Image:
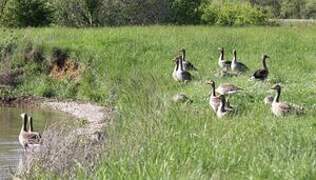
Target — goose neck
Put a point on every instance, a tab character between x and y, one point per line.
264	63
277	96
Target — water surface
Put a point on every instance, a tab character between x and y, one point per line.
10	126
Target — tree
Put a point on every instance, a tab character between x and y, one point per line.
23	13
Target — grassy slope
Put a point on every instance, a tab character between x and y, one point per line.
131	69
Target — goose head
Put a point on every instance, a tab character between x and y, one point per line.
183	51
221	50
265	57
211	82
276	87
235	54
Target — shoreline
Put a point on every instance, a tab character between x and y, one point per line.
65	148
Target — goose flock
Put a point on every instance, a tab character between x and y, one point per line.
219	96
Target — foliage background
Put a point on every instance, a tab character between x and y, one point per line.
94	13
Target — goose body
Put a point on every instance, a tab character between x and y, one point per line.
187	65
222	110
227	89
237	66
181	98
222	63
180	74
262	73
26	138
279	108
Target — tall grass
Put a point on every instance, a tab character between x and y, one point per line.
152	138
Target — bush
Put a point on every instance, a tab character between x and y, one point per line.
24	13
232	14
185	11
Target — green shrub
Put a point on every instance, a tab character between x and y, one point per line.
232	14
24	13
185	11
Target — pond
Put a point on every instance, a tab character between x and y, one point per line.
10	126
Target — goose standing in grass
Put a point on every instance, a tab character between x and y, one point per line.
30	128
187	66
214	101
236	66
26	138
180	74
282	108
223	64
262	74
222	109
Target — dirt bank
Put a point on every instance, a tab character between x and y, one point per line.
67	146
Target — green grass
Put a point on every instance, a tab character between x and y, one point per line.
151	138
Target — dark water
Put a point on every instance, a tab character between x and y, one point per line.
10	126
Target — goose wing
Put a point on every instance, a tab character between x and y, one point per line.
243	67
284	107
186	76
190	66
32	138
227	89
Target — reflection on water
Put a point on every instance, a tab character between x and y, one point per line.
10	126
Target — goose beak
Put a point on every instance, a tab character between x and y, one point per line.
209	82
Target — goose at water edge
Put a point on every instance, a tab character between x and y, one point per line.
179	74
223	64
236	66
26	138
262	73
187	66
282	108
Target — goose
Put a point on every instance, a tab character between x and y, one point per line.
30	129
279	108
27	139
223	64
227	89
181	98
187	66
236	66
222	110
261	74
180	74
214	101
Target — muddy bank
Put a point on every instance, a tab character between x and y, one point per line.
66	146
